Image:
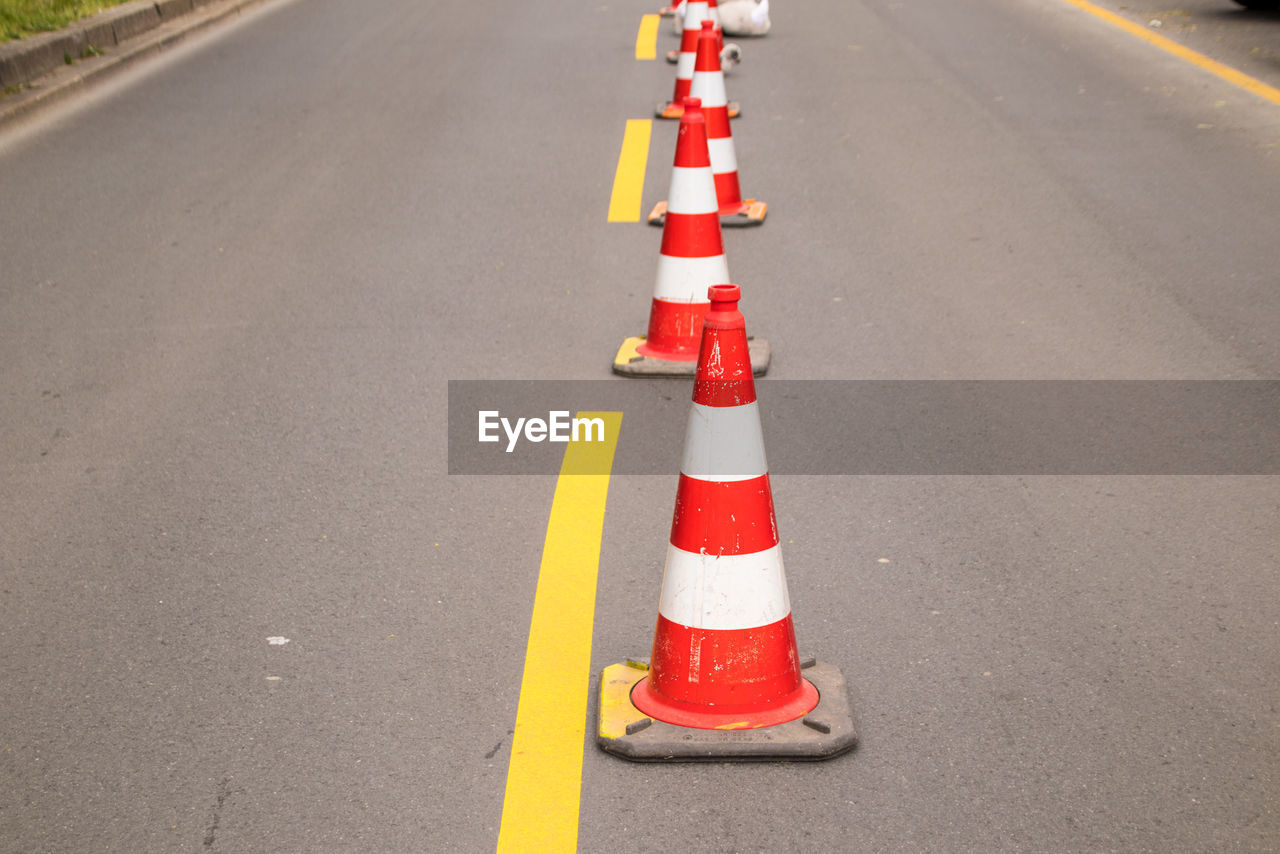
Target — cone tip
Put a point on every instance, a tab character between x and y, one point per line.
724	294
690	101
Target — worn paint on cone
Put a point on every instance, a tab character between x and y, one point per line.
724	661
724	651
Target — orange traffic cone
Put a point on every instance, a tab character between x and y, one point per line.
692	258
708	86
725	679
695	12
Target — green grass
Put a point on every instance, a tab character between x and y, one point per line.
20	18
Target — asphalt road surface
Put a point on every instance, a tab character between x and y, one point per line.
235	283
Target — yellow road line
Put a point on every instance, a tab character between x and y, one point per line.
628	181
647	38
544	780
1226	72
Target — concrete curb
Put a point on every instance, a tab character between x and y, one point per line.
49	67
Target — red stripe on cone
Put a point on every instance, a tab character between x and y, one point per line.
674	328
728	192
692	235
754	682
724	517
693	154
717	118
703	62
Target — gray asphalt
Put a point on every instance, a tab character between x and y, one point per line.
237	280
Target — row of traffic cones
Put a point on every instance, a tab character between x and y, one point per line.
708	87
694	13
704	196
725	679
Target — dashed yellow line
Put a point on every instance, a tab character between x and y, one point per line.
544	779
628	180
1226	72
647	38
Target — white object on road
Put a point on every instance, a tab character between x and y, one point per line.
744	17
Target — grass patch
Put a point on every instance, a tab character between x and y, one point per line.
20	18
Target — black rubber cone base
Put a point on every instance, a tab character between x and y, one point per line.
625	731
630	363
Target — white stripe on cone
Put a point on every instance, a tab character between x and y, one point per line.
686	279
727	592
692	190
723	157
695	10
709	86
724	443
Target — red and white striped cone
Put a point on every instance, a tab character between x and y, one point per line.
724	651
724	658
713	13
691	259
695	12
708	86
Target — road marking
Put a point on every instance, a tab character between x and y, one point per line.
1226	72
647	38
628	180
544	780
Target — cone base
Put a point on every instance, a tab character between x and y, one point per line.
625	731
661	708
749	212
672	110
629	362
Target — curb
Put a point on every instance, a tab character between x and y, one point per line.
49	67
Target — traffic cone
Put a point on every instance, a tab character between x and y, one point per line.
692	258
695	12
724	651
730	55
708	85
725	679
676	12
